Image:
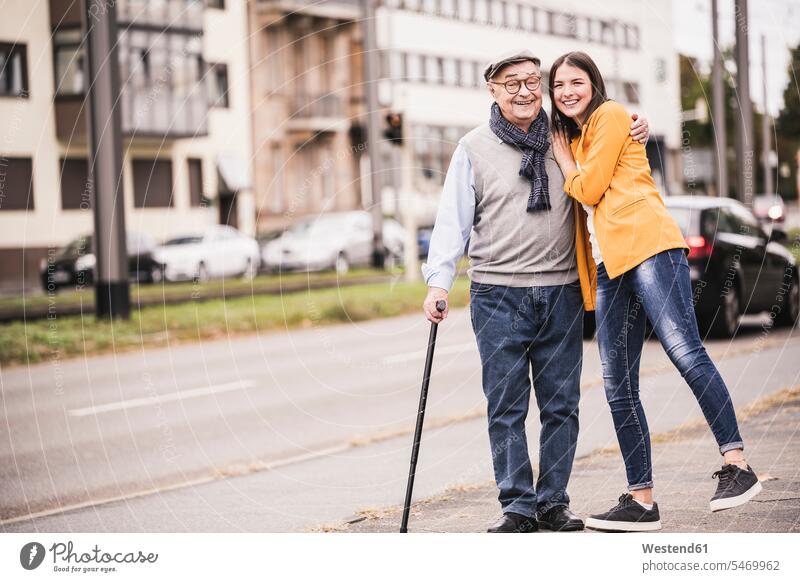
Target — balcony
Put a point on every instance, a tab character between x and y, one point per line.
161	14
336	9
163	94
164	116
154	14
316	113
143	116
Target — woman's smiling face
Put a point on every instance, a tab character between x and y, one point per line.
572	92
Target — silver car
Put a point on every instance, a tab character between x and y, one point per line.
335	241
216	251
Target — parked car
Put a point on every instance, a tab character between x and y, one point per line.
769	208
336	241
424	240
75	264
216	251
734	265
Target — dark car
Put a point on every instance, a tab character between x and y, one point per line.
74	265
735	266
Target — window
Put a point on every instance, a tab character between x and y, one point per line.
744	221
478	69
542	21
450	72
527	18
16	183
498	13
448	8
13	70
608	33
152	183
713	221
415	72
276	184
563	24
275	55
396	68
467	74
218	93
631	91
433	70
76	191
465	9
195	167
69	55
481	10
631	36
430	6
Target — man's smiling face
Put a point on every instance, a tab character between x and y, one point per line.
523	107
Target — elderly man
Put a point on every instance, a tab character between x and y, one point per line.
528	251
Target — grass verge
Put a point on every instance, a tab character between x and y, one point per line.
67	337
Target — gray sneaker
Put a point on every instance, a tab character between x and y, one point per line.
736	487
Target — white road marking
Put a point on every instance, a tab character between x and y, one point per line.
408	356
183	395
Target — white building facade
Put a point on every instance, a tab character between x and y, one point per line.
434	53
187	138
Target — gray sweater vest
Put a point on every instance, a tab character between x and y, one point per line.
510	246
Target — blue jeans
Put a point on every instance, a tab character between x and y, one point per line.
520	329
660	290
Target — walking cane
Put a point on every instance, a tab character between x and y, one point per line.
441	305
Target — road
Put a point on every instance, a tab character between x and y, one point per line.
289	431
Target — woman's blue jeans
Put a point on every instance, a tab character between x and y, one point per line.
659	289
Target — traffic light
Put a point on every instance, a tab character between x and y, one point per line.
394	128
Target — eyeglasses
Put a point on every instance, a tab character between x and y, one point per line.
513	86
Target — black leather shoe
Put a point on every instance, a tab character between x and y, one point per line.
514	523
559	518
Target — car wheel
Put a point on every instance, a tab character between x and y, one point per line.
156	274
250	270
342	265
726	321
790	310
202	273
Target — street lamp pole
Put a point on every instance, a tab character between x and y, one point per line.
112	293
744	136
766	141
373	129
718	107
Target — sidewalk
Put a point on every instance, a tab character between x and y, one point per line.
684	460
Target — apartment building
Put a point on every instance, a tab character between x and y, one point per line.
307	99
434	53
184	102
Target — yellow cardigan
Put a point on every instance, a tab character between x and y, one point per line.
631	222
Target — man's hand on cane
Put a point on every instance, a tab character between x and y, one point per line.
429	306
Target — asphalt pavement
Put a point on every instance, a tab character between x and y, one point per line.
292	431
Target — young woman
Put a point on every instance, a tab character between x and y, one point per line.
642	272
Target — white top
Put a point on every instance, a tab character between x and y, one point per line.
598	258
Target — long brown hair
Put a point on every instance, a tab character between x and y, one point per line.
585	63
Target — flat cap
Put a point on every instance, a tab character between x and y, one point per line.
508	58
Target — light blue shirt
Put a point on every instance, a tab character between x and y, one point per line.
454	221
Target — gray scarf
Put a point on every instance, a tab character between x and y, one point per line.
533	144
